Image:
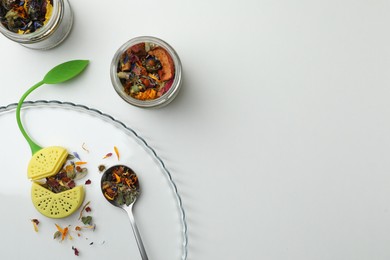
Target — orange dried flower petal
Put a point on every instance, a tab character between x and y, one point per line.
117	152
64	232
69	168
80	163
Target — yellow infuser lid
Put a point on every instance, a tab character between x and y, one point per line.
46	162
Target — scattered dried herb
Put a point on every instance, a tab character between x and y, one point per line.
23	17
80	163
146	71
70	157
117	152
107	155
86	220
76	251
93	227
35	223
83	208
57	235
62	232
120	185
88	226
101	168
76	155
84	148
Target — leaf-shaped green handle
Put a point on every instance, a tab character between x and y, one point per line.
65	71
58	74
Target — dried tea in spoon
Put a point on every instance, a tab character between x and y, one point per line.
120	186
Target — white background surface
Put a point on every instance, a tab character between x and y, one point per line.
279	139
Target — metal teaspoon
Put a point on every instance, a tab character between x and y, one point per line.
120	186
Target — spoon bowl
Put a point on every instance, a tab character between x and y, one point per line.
120	186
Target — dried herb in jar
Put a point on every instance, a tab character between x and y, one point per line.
120	185
146	71
25	16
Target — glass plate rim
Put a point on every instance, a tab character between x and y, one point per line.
79	107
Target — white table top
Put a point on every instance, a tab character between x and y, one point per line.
279	138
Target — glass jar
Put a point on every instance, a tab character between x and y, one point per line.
164	90
49	35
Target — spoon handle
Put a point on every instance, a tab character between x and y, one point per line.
141	247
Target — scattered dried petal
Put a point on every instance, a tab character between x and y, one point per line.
93	227
84	148
81	174
76	155
76	251
59	228
35	224
80	163
117	152
83	208
87	182
107	155
70	157
101	168
57	235
63	232
88	209
69	168
86	220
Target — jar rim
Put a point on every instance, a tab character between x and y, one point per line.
167	97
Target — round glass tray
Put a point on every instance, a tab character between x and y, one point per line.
91	134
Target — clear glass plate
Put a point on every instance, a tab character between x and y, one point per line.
92	134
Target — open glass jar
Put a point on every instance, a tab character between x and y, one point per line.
146	72
39	25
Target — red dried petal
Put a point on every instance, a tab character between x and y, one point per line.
88	182
51	182
76	251
71	184
107	155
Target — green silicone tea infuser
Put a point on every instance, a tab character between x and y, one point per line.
46	162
